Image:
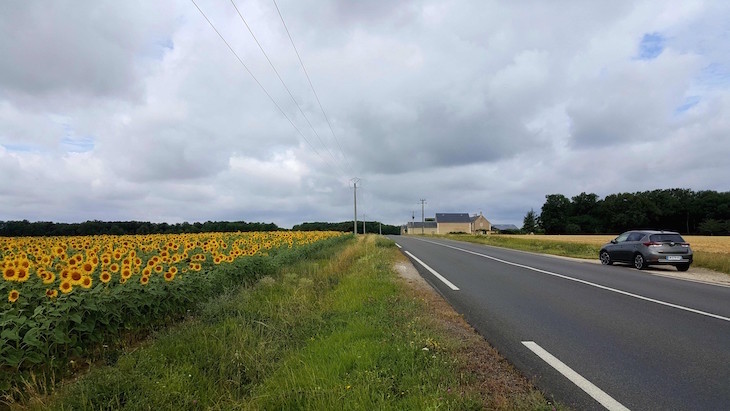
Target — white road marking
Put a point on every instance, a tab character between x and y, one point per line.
585	385
603	287
398	245
439	276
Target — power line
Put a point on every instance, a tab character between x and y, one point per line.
311	85
257	81
282	81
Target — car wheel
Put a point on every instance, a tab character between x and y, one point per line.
682	267
605	258
639	262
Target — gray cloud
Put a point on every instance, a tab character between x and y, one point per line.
138	111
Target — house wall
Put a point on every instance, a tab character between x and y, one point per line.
426	230
481	223
445	228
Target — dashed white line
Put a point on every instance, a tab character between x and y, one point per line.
398	245
439	276
596	393
603	287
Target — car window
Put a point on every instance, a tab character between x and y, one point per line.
666	238
635	236
622	237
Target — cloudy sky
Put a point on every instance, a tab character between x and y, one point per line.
138	110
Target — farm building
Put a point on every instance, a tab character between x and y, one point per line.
480	225
417	227
453	223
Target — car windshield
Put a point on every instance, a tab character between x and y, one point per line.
667	238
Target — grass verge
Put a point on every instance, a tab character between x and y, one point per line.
713	261
336	331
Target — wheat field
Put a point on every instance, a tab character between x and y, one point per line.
710	244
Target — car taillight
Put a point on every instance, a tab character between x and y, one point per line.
652	244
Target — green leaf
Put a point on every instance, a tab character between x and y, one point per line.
10	334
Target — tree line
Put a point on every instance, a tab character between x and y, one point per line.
43	228
683	210
347	227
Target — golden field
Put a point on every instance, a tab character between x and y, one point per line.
709	244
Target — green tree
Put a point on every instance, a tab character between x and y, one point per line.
555	213
529	224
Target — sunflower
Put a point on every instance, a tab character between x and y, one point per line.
144	280
173	270
75	277
169	276
48	277
51	293
126	273
147	271
86	282
22	275
66	287
105	277
114	267
87	268
9	274
158	269
13	296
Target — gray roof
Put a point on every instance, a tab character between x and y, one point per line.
418	224
502	227
453	218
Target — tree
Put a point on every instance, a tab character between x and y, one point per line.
555	213
529	224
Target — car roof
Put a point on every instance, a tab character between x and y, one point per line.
653	231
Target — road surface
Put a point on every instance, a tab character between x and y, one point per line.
591	336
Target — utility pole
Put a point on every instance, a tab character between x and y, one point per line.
380	228
363	223
354	221
423	219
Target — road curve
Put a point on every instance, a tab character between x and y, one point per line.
591	336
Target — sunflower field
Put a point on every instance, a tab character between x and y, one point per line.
61	296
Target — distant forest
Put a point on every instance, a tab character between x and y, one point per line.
682	210
26	228
346	226
42	228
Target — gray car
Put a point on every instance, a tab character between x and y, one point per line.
646	247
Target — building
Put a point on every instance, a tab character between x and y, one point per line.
453	223
417	227
480	225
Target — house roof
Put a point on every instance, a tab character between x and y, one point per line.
418	224
503	227
453	218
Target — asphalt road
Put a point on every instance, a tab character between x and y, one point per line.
629	339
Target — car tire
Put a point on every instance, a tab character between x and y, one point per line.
682	267
605	258
639	262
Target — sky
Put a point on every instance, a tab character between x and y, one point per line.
139	110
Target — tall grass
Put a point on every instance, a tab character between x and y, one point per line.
711	260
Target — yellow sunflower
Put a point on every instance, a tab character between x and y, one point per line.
9	274
13	296
105	277
66	287
144	280
22	275
86	282
51	293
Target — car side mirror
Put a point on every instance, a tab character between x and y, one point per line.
614	241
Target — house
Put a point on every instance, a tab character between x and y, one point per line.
417	227
453	223
480	225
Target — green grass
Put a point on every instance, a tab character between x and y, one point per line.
713	261
335	331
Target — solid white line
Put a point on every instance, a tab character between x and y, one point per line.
439	276
585	385
398	245
603	287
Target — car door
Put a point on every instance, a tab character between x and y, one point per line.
631	245
617	248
